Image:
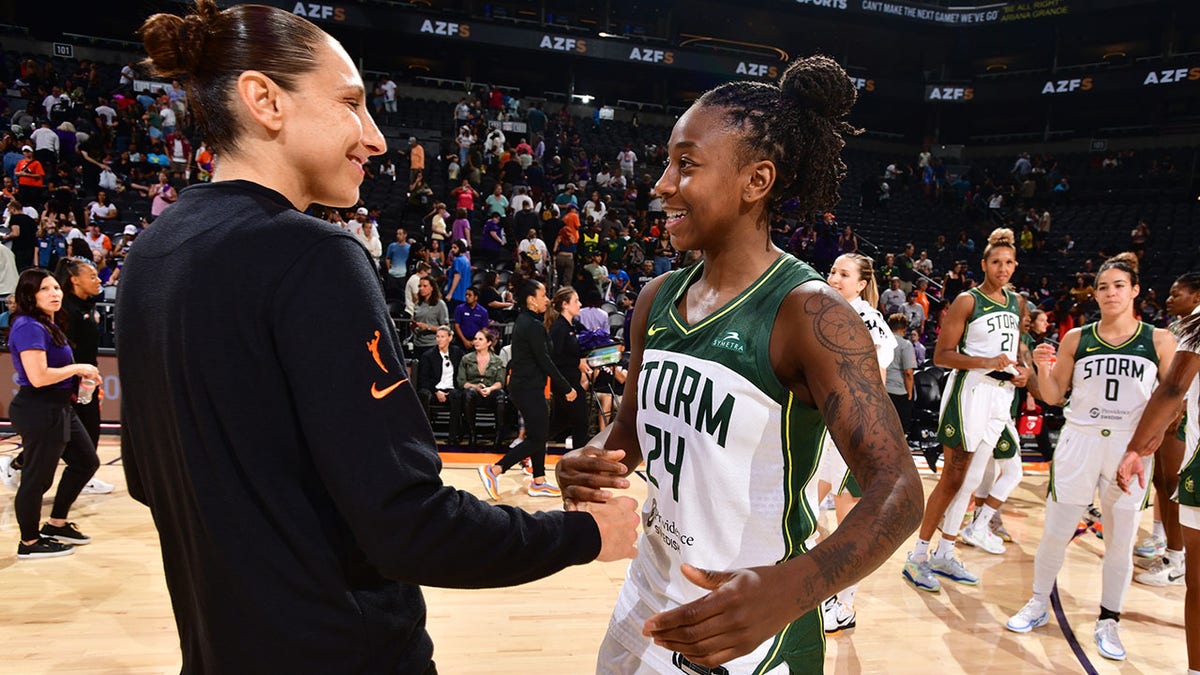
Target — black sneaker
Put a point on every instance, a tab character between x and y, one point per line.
44	547
67	534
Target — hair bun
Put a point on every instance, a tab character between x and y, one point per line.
1001	236
1128	258
819	84
175	44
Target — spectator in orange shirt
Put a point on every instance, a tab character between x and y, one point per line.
31	178
416	158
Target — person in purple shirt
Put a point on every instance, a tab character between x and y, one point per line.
491	245
43	415
469	318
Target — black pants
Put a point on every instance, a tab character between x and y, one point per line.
90	416
531	403
569	417
454	400
50	430
497	402
904	410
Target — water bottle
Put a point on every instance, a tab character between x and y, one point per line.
87	389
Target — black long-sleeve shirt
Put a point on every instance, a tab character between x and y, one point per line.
530	363
564	348
289	468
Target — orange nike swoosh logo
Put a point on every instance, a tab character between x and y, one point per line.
382	393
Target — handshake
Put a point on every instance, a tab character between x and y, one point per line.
582	476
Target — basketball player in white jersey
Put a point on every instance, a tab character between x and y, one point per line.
1110	369
979	340
737	364
853	277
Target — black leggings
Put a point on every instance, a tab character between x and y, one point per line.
531	403
50	430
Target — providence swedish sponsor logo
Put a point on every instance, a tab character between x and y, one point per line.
732	341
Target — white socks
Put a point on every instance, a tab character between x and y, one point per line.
1175	558
1158	531
945	548
921	550
984	519
846	597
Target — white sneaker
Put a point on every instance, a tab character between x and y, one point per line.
95	486
1108	640
838	617
982	537
1162	573
953	569
8	475
1151	547
1033	615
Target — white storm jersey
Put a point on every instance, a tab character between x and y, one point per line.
994	328
731	455
1112	383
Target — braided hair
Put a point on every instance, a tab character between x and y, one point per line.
798	125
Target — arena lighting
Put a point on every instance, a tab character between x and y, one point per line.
996	66
1115	55
611	36
584	98
783	56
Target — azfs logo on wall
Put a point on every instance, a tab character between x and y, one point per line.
446	28
312	10
563	44
1067	86
951	94
1174	76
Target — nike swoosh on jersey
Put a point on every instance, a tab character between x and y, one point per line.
1091	349
654	330
382	393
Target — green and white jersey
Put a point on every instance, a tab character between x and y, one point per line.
1112	383
994	328
730	453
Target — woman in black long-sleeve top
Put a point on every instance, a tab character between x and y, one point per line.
529	367
567	355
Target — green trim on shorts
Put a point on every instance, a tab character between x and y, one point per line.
1181	431
1149	472
850	484
1188	493
950	424
1006	446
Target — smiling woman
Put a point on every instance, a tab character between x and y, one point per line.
754	336
284	454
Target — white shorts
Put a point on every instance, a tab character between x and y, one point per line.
833	468
1085	461
1189	516
975	410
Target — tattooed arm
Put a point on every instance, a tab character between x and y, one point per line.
821	350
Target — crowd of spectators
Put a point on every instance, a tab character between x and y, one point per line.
89	163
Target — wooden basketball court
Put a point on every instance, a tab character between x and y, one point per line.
106	610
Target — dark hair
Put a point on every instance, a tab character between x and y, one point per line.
1188	329
435	292
67	269
797	124
28	285
1189	279
525	290
80	249
208	49
1126	262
